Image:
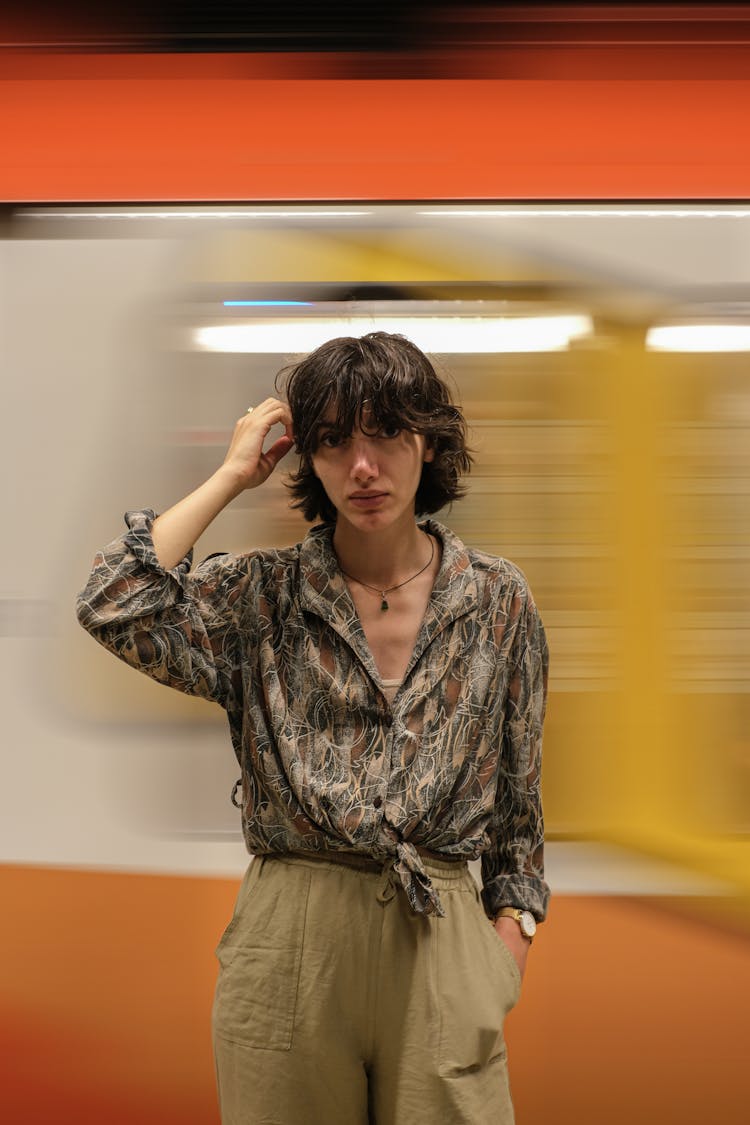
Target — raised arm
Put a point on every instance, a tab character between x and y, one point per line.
177	530
143	604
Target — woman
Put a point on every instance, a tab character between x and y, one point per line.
385	688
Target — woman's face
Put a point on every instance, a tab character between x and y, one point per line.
371	479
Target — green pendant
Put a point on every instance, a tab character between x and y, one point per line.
383	604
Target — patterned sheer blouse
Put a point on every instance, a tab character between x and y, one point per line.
331	757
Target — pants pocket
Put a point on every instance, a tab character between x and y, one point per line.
507	956
260	955
476	987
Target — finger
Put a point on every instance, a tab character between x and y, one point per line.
256	416
274	404
269	404
278	450
278	414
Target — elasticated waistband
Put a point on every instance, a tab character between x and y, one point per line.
442	869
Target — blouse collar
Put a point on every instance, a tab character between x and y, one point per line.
324	592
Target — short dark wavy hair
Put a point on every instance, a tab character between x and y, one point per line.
401	387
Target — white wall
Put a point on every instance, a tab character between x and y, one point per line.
75	791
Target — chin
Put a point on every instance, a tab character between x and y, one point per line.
368	521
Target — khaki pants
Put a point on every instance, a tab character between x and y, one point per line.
337	1005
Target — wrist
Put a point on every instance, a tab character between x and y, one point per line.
230	481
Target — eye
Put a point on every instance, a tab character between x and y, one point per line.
331	439
389	430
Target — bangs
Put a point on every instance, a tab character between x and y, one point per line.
352	385
370	409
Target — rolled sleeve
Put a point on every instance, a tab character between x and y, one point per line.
139	540
513	868
175	626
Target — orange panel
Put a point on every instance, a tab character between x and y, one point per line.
629	1012
211	137
107	983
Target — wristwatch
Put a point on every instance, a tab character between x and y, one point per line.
525	919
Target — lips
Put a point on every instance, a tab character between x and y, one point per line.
367	500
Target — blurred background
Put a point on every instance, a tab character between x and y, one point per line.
599	348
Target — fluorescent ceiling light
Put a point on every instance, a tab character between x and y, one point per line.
517	211
453	334
144	213
521	212
699	338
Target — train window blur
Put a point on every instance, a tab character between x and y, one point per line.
617	475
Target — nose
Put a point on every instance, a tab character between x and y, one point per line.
363	465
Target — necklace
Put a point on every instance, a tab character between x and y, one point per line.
384	602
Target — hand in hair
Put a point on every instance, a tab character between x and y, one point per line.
245	457
176	531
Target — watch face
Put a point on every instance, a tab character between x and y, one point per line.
528	923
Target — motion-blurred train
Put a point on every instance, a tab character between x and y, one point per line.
600	354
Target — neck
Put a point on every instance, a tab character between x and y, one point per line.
383	557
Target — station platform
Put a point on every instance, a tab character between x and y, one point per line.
634	1005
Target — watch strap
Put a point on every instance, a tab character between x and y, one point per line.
515	913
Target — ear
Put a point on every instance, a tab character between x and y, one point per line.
429	451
